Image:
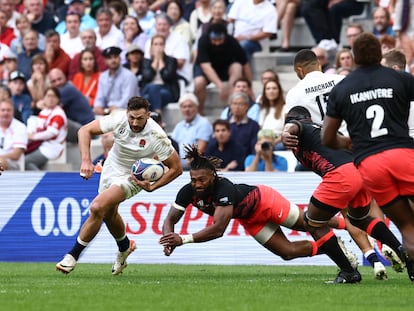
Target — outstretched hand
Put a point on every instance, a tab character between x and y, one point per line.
170	241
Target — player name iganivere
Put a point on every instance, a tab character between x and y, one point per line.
370	95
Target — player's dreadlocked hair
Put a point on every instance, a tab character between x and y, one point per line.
198	161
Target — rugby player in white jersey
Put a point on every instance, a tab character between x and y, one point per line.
313	89
136	136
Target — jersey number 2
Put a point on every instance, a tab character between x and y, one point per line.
376	112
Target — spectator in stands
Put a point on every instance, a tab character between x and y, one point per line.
193	129
49	138
404	29
324	19
200	15
254	21
22	26
387	43
223	146
88	38
38	81
272	114
382	22
86	22
54	54
243	129
344	59
159	76
8	64
74	103
218	15
71	42
175	46
6	32
187	5
323	59
157	117
264	159
24	59
13	137
352	32
107	34
220	60
286	13
22	101
8	7
40	19
132	35
116	84
266	75
145	16
175	11
86	80
119	11
134	58
245	86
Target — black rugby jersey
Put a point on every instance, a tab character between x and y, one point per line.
315	156
374	101
244	198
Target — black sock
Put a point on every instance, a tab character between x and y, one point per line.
373	258
77	250
334	251
381	233
123	245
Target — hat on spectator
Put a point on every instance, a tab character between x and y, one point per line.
112	50
17	75
134	48
268	133
188	96
217	31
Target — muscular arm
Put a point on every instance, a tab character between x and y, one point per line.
221	219
85	135
290	136
330	137
174	170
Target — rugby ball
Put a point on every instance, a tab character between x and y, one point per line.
148	169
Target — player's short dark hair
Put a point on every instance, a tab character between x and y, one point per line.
138	102
395	57
243	79
305	57
297	113
367	50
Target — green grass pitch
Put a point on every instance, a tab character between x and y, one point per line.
37	286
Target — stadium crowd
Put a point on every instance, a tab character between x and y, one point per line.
95	55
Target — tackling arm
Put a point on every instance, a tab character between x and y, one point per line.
222	217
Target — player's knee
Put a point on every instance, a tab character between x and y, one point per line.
310	224
96	209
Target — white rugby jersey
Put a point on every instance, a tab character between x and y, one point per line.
312	93
130	146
